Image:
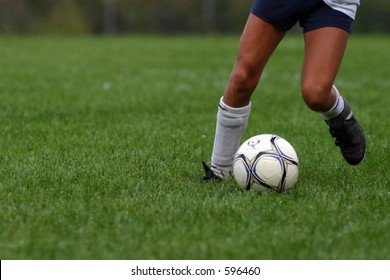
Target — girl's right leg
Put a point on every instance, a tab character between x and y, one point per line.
258	41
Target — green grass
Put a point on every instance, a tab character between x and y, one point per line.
101	141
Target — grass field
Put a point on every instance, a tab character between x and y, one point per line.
101	142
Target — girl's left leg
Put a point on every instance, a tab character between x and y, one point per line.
324	51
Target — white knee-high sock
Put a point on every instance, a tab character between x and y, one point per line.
336	109
231	124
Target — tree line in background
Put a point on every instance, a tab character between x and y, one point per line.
151	16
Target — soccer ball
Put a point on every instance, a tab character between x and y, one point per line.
266	162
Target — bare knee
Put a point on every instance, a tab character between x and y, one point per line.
318	96
243	80
242	83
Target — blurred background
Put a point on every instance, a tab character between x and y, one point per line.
151	16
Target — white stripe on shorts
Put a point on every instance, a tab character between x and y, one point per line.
347	7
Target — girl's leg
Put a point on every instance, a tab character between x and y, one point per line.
258	41
324	51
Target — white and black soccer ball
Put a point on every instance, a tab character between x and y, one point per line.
266	162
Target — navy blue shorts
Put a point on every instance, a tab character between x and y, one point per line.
311	14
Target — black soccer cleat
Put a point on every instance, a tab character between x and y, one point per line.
349	135
210	175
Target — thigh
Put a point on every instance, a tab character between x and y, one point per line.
324	51
258	41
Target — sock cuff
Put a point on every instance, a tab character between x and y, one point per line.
338	97
336	109
239	112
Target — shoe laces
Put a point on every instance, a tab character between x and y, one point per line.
339	135
342	136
